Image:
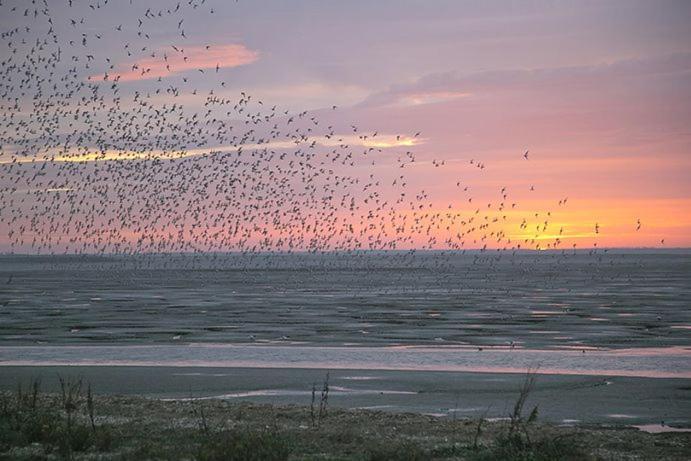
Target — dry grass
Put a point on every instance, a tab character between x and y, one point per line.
34	425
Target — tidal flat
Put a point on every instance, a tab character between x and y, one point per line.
418	356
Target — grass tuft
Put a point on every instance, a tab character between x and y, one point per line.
49	425
245	445
516	449
406	451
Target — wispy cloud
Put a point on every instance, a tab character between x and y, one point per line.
431	97
415	97
381	141
177	60
446	86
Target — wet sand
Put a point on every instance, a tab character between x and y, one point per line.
562	399
671	362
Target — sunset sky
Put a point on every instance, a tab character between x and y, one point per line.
598	92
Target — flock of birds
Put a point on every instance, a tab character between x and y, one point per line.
90	165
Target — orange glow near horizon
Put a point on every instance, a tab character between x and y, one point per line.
567	228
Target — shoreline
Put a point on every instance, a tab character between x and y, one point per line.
660	363
563	399
134	427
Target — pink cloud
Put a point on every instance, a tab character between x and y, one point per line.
183	59
616	75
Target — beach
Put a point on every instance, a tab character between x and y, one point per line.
568	400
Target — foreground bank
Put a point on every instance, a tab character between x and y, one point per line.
75	424
562	399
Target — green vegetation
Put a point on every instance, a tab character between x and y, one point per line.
516	449
50	422
75	424
245	445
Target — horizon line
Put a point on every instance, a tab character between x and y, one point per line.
450	250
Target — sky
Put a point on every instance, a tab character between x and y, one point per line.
598	93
